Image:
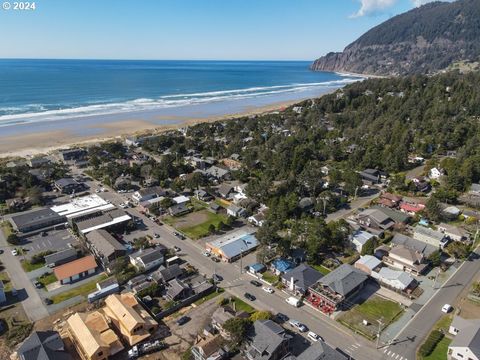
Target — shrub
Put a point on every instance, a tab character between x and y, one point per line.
429	345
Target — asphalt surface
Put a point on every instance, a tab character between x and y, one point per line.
413	335
27	294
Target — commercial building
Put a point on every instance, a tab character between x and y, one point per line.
115	220
104	246
82	206
69	186
232	246
61	257
36	220
75	270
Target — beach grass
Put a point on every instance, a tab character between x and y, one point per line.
321	269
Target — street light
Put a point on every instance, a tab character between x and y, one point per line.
241	255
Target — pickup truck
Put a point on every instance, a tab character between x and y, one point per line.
145	348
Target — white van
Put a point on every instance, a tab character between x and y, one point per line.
293	301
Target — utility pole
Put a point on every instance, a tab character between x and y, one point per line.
380	323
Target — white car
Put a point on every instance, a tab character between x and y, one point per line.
447	308
314	337
268	290
14	252
298	325
206	253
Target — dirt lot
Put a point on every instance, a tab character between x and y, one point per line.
192	219
467	308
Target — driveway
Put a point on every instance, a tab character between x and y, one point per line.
31	301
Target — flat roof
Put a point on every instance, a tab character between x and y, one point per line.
75	267
82	206
105	220
36	218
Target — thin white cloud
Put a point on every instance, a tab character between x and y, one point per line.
418	3
371	7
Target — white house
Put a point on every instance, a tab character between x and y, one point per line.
396	279
359	238
146	259
181	199
235	211
466	344
435	173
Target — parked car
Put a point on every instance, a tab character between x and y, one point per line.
298	325
206	253
1	251
183	320
314	337
14	252
156	236
48	301
256	283
38	284
447	308
281	318
177	249
268	290
43	233
217	278
215	259
250	297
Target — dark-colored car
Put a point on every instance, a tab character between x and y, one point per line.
48	301
215	259
38	284
281	318
177	249
217	278
44	233
256	283
183	320
250	297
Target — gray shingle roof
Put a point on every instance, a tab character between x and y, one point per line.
303	276
105	243
64	255
408	242
265	337
43	345
469	336
344	279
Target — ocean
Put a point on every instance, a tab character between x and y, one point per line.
71	93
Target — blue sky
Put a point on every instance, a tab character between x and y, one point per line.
190	29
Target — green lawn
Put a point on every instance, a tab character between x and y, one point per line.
47	279
241	305
322	269
200	230
440	351
6	228
209	296
83	290
6	281
270	277
373	309
28	266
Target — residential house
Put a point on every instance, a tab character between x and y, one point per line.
256	268
420	246
258	219
267	340
319	351
435	173
411	209
359	238
76	270
220	317
178	209
3	297
130	319
147	259
406	259
72	155
147	194
299	279
282	266
466	344
37	161
225	189
92	336
104	246
330	292
69	186
17	204
218	173
214	208
164	275
375	220
451	212
236	211
177	290
208	348
43	345
454	233
398	217
372	176
428	236
395	279
202	195
306	204
368	264
389	200
421	184
181	199
61	257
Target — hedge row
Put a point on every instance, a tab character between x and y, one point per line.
429	345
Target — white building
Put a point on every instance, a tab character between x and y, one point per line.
428	236
147	259
435	173
83	206
466	345
359	238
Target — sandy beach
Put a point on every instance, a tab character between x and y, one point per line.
30	144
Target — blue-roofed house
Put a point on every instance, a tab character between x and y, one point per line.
230	247
256	268
281	266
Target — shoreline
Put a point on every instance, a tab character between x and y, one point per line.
31	144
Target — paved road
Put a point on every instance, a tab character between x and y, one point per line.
354	205
31	301
412	336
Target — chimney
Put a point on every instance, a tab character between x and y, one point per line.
291	283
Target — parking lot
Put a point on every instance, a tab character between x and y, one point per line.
54	240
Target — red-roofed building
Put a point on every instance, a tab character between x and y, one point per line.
75	270
411	209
